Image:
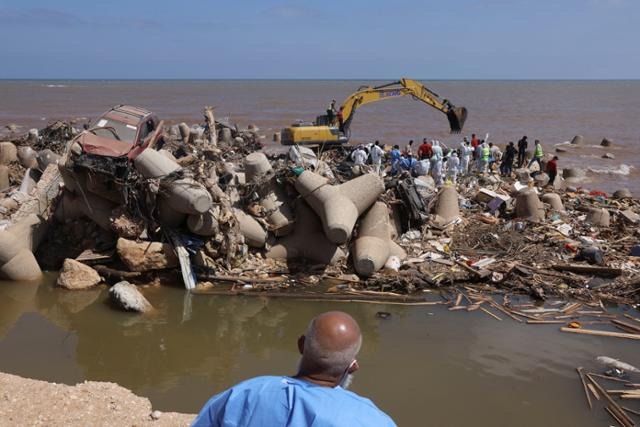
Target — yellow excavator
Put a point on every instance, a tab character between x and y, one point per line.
327	130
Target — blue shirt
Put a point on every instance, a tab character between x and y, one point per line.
408	163
395	155
286	401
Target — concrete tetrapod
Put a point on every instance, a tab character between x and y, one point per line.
8	153
16	261
374	246
272	197
339	206
184	195
553	200
598	216
529	206
447	207
254	234
307	240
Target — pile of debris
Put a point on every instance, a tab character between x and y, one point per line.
211	203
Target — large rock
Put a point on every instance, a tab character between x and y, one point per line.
128	297
623	193
145	256
76	275
578	139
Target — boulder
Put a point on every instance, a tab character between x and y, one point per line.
573	173
145	256
606	142
127	297
4	178
76	275
561	150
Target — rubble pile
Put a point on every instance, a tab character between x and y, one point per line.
210	203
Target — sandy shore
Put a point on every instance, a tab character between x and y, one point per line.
31	402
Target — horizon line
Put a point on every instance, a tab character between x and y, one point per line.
312	79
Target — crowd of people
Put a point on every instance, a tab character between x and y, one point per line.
472	156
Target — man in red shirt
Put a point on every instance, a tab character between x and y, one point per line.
424	151
474	140
552	169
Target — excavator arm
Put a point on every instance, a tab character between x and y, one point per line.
403	87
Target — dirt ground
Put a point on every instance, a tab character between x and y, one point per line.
30	402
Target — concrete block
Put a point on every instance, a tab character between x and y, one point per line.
447	207
577	140
339	206
4	178
27	157
185	132
553	200
373	246
205	224
623	193
599	217
254	234
186	196
22	267
153	164
8	153
529	206
272	196
45	158
307	240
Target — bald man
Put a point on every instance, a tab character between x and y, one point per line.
315	396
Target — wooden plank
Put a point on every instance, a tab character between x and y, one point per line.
601	333
545	322
589	269
584	385
626	325
623	415
490	314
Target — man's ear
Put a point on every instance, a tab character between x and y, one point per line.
301	344
354	367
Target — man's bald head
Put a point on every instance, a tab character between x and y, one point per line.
331	343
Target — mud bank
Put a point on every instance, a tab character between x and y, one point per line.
25	401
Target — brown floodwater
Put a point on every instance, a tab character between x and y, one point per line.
552	111
423	365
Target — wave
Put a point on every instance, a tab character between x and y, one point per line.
562	143
50	85
613	170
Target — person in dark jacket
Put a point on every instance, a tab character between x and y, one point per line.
506	167
522	150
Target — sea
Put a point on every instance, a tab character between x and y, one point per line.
500	111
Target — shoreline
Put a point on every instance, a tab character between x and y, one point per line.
25	401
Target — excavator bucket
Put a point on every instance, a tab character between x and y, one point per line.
457	116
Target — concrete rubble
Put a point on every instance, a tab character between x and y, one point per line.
210	202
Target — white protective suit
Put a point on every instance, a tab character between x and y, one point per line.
359	156
436	162
465	152
452	167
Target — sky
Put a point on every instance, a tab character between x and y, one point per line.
351	39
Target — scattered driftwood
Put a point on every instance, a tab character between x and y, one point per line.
601	333
589	269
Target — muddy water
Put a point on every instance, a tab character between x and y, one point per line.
423	365
552	111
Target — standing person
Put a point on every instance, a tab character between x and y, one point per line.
424	151
552	170
359	156
396	157
496	155
376	154
341	119
316	395
522	150
538	154
465	152
474	141
436	163
452	166
331	111
408	149
477	155
485	154
507	160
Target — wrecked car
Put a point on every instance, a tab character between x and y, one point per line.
102	155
